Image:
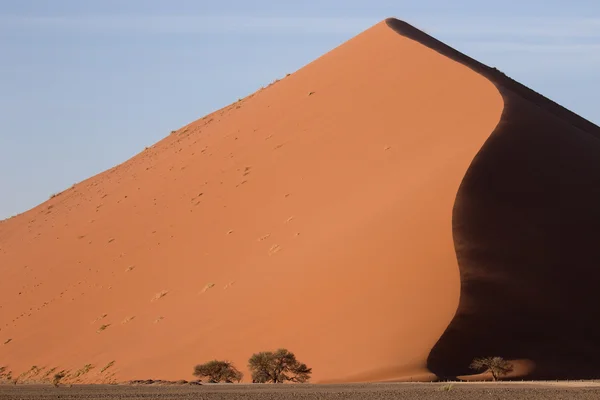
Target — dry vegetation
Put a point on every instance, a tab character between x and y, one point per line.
218	371
266	367
58	377
160	295
497	366
278	367
107	366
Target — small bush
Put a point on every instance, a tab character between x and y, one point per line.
5	374
57	378
278	367
107	366
49	372
208	286
218	371
498	366
160	295
446	388
86	368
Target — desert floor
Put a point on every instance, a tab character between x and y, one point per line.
513	390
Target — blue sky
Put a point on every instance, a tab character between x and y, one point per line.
86	84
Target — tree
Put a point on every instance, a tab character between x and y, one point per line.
498	366
278	367
218	371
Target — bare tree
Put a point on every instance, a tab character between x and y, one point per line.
498	366
278	367
218	371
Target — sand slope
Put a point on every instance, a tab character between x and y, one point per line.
315	214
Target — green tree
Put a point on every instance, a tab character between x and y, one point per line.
218	371
277	367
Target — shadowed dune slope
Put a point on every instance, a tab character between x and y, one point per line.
526	227
315	214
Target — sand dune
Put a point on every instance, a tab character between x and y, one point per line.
317	215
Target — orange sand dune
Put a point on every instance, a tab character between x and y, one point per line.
315	214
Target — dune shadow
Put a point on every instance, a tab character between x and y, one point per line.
526	227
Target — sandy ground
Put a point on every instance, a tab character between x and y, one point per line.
525	391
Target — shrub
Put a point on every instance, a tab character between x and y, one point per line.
498	366
5	374
57	378
84	370
218	371
446	388
107	366
49	372
277	367
160	295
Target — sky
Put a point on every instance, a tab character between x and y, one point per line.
87	84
